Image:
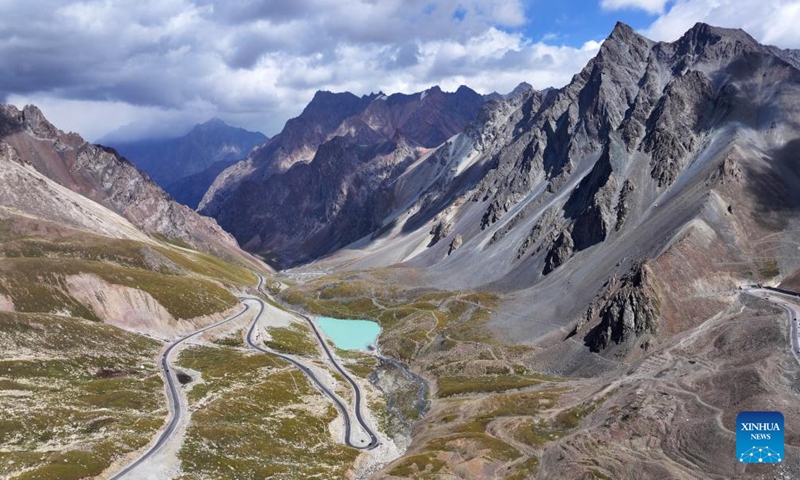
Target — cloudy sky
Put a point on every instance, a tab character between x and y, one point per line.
154	67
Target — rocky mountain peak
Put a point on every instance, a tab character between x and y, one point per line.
342	104
703	43
519	89
622	32
705	34
323	114
10	119
212	123
623	47
33	120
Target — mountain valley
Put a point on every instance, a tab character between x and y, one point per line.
556	275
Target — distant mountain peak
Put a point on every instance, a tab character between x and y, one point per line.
521	88
518	90
465	90
214	122
168	161
326	103
208	126
216	125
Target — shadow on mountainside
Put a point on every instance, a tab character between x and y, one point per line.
776	188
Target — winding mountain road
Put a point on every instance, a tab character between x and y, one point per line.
790	305
356	389
173	398
254	344
374	442
178	411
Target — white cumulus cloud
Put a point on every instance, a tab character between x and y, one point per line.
96	65
651	6
769	21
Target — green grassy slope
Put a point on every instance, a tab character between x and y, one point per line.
36	258
257	417
75	394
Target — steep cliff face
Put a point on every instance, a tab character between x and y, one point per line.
297	142
327	179
636	100
100	174
553	193
314	207
625	317
25	191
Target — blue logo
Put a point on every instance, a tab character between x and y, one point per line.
759	437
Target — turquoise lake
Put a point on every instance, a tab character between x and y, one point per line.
350	334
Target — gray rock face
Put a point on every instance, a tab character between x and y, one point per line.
327	179
624	204
455	244
440	230
624	316
558	191
559	253
637	101
103	176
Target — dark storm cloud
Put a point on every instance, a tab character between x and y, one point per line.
71	54
245	11
251	59
162	53
248	47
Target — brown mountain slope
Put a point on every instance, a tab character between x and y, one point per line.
101	175
325	180
85	234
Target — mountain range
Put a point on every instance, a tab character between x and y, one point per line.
556	273
535	191
319	184
586	187
201	154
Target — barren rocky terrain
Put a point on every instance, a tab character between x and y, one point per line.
608	225
555	274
